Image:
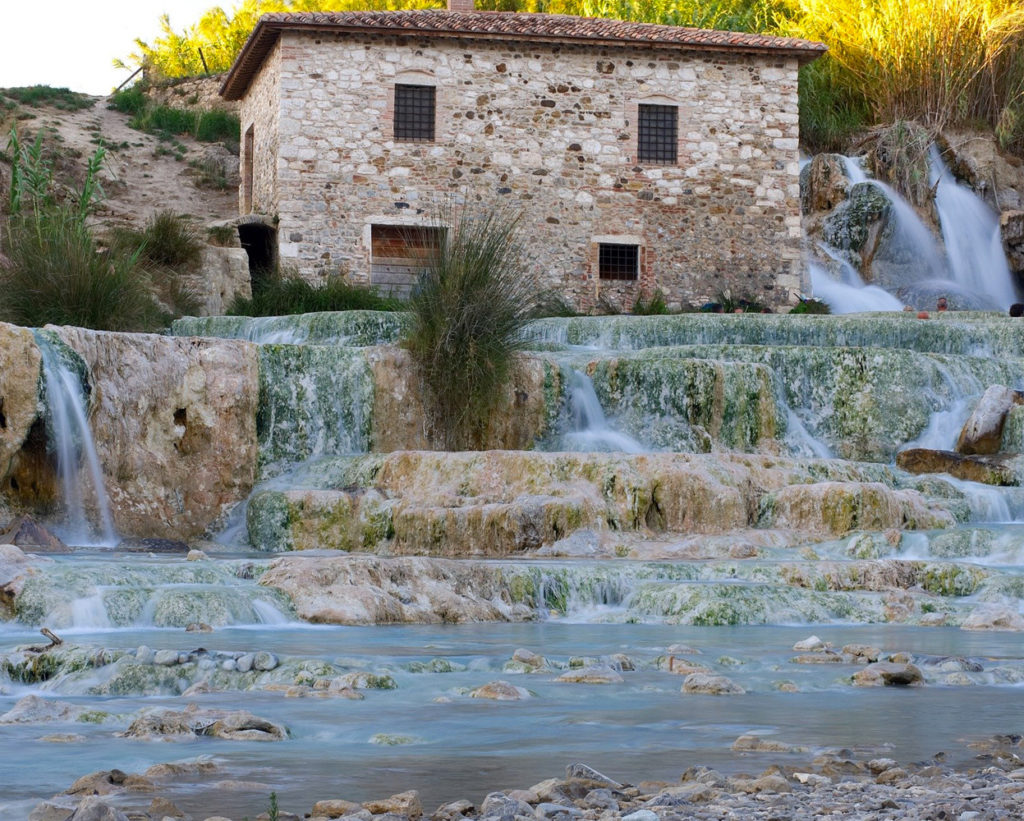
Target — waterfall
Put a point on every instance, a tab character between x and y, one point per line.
70	438
973	267
851	296
970	230
590	429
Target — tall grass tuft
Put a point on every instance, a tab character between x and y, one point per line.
56	273
466	323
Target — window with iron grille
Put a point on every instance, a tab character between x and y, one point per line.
414	113
657	129
620	262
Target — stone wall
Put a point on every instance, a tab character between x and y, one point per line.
261	112
550	130
201	93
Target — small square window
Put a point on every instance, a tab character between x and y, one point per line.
414	113
657	130
621	262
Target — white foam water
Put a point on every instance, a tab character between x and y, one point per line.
590	429
71	439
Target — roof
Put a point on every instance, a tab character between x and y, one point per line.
506	27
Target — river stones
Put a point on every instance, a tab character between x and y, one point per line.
500	691
404	803
811	644
709	684
334	808
94	809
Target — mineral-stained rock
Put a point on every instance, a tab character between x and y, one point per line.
990	470
334	808
983	432
1011	226
823	183
525	411
187	449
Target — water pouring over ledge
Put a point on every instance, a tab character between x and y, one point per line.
972	269
70	438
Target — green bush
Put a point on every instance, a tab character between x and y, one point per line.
281	295
129	101
205	126
811	306
61	98
655	306
467	318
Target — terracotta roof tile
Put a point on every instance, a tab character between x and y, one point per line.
506	26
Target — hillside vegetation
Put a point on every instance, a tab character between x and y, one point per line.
942	62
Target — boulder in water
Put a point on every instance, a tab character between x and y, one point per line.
710	684
500	691
888	674
592	674
983	431
238	725
33	710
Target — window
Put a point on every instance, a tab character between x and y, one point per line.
657	127
414	113
620	262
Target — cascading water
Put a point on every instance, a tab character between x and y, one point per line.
590	429
852	296
973	267
970	231
71	440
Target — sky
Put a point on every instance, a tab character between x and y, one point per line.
73	43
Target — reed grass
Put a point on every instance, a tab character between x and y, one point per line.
467	318
942	62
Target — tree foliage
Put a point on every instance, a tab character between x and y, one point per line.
945	62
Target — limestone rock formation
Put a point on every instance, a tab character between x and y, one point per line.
369	590
400	421
823	183
187	448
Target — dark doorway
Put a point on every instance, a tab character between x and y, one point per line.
260	242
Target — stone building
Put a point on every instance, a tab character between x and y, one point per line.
640	157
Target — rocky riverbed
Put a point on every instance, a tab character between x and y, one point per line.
843	783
